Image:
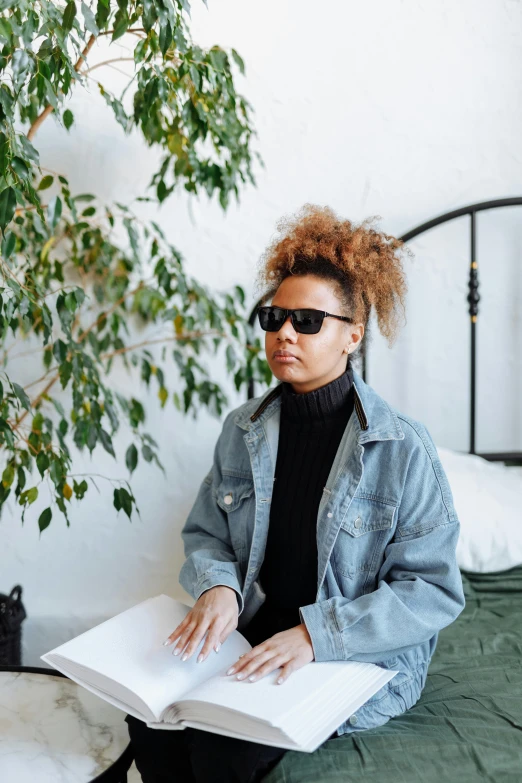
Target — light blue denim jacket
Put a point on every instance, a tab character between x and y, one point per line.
388	579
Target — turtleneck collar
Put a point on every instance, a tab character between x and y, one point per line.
328	402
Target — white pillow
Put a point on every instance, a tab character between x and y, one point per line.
488	501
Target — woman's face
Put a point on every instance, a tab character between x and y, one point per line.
318	358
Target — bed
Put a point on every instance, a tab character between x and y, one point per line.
467	725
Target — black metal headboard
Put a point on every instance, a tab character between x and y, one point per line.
472	298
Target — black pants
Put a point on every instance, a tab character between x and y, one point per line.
197	756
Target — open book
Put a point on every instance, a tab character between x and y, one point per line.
123	660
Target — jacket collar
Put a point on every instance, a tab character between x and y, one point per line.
375	418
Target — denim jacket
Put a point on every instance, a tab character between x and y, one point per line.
388	579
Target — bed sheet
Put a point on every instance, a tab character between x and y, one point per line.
466	726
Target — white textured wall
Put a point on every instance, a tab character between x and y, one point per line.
400	109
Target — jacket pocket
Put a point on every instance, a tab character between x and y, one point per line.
362	536
368	514
235	496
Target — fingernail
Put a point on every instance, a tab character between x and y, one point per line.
231	670
176	651
184	658
280	680
240	676
200	658
216	648
252	677
167	642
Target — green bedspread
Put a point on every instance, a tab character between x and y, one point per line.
467	725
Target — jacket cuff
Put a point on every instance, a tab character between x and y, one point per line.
217	578
322	626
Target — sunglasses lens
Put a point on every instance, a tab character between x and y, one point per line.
308	321
270	318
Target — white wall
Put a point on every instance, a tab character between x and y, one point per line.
399	109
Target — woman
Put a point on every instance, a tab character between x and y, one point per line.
325	529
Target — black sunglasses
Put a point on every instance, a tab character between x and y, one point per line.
304	320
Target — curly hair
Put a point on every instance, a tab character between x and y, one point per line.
364	265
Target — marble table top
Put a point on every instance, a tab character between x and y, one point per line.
54	731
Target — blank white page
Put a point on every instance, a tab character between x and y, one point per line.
265	700
129	649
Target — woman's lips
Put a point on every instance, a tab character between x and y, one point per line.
285	359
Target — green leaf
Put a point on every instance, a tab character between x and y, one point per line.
68	16
4	150
239	61
80	296
22	396
121	24
106	441
163	395
60	351
54	211
20	167
37	423
148	454
7	206
21	477
165	38
56	471
131	458
42	462
126	501
59	407
117	500
68	118
32	494
89	19
6	30
21	65
80	489
44	519
8	244
231	358
46	182
7	432
8	476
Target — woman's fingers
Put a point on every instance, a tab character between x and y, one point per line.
184	638
225	633
195	638
260	666
251	661
212	640
176	633
255	671
286	671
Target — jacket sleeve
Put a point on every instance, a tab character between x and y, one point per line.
419	583
210	557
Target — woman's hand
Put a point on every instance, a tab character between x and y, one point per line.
215	613
290	649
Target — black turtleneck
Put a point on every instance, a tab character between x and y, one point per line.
311	427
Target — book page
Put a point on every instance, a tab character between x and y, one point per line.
265	700
322	696
128	648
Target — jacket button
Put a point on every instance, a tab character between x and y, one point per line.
228	499
353	719
357	522
329	514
